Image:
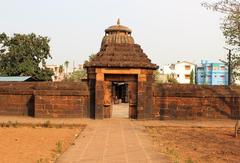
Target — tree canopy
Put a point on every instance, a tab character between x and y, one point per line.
77	76
66	64
192	76
230	26
24	55
90	58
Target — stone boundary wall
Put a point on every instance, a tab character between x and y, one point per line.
194	101
65	99
44	99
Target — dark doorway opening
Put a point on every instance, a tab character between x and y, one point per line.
120	99
120	92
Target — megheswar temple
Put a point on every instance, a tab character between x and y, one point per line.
120	69
120	73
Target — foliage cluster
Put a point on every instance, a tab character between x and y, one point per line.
230	26
25	55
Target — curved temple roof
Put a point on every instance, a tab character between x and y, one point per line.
118	50
117	34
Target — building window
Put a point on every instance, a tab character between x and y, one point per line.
215	68
209	67
187	67
187	76
222	67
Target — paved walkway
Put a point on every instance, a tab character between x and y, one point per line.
120	110
113	141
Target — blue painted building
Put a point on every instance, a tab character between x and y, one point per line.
211	73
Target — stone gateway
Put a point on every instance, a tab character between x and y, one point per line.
122	67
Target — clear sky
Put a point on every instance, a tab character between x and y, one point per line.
168	31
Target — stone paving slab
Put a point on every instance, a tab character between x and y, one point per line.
120	110
113	140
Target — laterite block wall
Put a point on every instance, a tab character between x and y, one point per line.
194	101
44	99
16	104
16	98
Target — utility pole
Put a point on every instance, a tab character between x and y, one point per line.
229	58
229	67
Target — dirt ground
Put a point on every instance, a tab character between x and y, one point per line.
34	144
196	144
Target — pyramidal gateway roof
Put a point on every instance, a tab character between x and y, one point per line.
118	50
121	56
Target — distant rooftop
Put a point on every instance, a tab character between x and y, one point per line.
178	62
15	78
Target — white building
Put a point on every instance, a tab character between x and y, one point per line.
58	72
181	70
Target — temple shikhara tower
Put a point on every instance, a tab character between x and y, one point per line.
120	71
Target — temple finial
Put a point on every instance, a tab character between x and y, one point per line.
118	21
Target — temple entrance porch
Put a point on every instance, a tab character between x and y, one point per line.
120	94
114	86
120	59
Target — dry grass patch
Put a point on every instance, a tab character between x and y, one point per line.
196	145
35	143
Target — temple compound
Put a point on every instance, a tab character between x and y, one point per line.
120	74
121	70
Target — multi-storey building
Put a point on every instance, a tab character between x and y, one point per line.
58	72
180	70
211	73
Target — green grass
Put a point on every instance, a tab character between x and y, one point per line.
59	147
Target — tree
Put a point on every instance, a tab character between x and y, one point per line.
192	77
66	63
77	75
90	58
61	69
24	55
171	79
231	30
156	75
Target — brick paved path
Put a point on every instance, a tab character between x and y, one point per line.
113	140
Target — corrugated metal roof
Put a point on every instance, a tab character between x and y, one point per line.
14	78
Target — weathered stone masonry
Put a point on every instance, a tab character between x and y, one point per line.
44	99
73	100
194	101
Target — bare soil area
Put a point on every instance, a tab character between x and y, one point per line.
35	144
196	144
